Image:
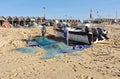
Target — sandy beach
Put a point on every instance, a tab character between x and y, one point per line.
101	61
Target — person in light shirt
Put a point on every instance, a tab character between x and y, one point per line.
66	34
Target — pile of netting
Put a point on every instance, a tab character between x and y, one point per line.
53	48
29	50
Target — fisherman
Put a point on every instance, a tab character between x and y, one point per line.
43	31
66	34
88	30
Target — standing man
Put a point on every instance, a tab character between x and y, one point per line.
66	34
43	31
88	30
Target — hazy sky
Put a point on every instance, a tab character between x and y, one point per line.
76	9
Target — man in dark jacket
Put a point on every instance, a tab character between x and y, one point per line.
43	31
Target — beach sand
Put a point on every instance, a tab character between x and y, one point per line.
101	61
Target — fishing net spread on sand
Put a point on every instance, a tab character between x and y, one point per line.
53	48
27	50
43	41
56	49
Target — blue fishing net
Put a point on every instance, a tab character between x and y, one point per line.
27	50
53	48
43	41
